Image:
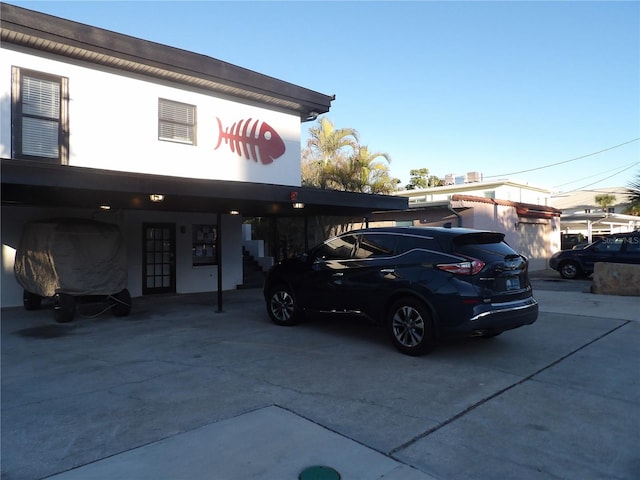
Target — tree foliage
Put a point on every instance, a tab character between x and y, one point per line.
605	200
326	146
335	159
420	178
633	195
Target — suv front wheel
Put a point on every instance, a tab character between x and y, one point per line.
411	327
282	306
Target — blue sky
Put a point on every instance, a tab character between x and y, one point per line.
494	87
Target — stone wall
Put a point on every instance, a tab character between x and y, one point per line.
616	279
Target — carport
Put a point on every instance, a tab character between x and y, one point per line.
38	184
598	222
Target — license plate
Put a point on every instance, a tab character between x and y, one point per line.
513	283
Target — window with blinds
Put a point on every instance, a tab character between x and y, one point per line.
176	122
40	119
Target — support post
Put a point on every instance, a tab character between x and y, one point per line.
219	259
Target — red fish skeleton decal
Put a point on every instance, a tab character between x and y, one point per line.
264	145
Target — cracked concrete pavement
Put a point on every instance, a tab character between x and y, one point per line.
177	388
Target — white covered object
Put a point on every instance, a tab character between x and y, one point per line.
74	256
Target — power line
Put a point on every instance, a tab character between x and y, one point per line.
602	179
594	175
564	161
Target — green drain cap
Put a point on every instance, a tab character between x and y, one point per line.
319	473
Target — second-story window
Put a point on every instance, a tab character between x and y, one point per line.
40	118
176	122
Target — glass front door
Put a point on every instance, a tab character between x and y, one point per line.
159	249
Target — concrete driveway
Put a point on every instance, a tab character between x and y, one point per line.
177	390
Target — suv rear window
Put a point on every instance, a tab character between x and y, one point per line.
483	246
410	242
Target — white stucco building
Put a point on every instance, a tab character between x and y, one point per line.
174	147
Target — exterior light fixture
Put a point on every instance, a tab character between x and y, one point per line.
234	212
156	197
105	207
295	201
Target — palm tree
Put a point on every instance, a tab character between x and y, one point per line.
605	200
633	195
326	146
367	172
333	158
327	141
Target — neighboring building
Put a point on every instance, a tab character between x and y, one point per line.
499	189
520	211
581	215
172	146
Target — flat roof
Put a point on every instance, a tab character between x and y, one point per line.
62	37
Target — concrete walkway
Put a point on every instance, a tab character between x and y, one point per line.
589	304
270	443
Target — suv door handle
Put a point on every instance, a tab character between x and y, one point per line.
387	271
339	274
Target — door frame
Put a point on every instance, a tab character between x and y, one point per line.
167	258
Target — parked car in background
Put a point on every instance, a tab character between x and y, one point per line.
579	262
571	240
585	242
420	283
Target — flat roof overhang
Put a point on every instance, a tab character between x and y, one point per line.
582	220
48	34
26	183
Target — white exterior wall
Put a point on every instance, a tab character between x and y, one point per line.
113	125
522	195
498	191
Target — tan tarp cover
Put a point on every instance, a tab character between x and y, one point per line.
78	257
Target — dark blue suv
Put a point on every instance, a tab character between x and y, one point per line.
579	262
420	283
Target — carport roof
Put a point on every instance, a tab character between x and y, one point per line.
40	184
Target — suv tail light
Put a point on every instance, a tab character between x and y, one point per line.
470	267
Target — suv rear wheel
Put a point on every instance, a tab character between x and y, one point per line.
282	306
411	327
